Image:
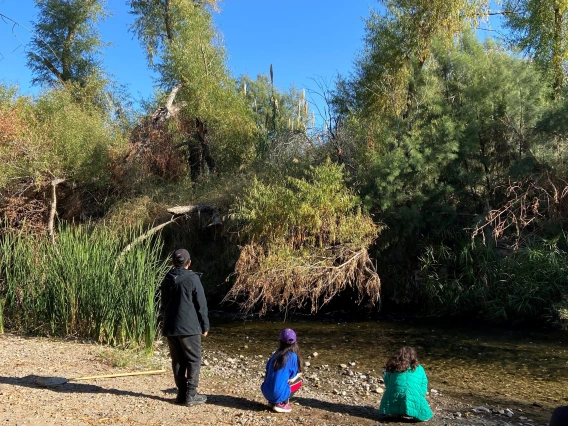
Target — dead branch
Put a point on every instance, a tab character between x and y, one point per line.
53	210
147	234
177	213
526	205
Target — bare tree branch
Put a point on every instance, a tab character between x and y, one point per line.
53	211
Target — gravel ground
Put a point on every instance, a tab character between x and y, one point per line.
331	395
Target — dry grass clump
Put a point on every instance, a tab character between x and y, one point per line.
305	241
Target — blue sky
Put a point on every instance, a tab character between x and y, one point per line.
302	39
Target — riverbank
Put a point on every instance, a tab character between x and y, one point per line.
332	394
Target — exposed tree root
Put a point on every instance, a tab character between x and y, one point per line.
268	281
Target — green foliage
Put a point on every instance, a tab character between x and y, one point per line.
66	43
306	241
539	29
82	285
56	136
182	34
476	280
275	111
495	111
317	211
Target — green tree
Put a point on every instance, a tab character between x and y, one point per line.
397	45
66	44
539	28
181	33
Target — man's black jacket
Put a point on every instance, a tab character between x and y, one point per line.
183	304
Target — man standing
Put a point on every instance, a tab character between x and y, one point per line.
184	309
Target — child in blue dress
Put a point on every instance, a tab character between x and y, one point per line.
283	371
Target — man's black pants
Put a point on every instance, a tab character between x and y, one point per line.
186	362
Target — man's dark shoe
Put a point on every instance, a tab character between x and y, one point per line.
181	398
196	399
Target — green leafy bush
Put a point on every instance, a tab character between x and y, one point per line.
305	241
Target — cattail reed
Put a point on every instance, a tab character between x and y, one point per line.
77	288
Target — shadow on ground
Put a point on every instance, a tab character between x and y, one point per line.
363	411
73	387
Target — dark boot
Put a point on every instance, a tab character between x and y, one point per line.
181	397
196	399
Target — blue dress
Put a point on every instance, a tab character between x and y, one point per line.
275	387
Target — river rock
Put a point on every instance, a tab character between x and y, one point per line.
481	410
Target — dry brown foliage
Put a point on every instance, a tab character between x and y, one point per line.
153	151
527	204
11	126
24	213
313	280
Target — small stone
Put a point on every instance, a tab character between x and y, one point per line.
457	414
481	410
205	362
342	366
433	391
315	354
352	364
378	390
307	364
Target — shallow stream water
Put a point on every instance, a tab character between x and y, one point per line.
517	368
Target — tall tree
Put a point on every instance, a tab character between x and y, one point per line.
399	42
66	44
181	34
539	28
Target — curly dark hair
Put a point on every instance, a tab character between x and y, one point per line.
402	360
282	355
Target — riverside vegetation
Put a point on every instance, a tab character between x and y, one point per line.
434	182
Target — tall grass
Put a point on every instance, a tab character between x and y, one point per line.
81	286
483	282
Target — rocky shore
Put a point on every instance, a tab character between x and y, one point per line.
332	394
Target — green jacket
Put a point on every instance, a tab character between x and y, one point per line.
405	395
